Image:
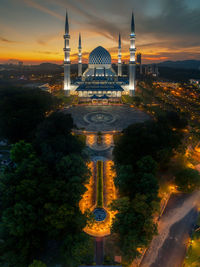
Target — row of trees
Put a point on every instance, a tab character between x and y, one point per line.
139	153
40	191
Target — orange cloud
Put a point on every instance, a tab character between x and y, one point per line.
155	58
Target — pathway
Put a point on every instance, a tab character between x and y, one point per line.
99	251
103	152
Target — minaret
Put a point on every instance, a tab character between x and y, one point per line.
67	82
79	57
132	59
119	57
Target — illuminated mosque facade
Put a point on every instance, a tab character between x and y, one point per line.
99	81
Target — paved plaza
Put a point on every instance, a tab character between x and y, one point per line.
105	118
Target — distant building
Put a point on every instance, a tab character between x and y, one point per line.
155	72
139	62
13	62
152	70
168	85
99	82
195	81
20	63
139	58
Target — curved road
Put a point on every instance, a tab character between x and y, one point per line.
168	248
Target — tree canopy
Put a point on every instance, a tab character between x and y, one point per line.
152	138
138	189
53	138
40	197
173	119
188	180
139	152
37	264
133	224
21	110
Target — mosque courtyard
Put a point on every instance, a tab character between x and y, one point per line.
105	118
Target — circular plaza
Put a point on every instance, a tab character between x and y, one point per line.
105	118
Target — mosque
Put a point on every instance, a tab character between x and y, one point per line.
99	82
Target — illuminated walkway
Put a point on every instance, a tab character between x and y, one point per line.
92	141
89	200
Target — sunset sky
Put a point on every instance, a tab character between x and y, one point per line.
32	30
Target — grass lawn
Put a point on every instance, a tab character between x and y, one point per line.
99	184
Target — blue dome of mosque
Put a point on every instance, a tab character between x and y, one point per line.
99	56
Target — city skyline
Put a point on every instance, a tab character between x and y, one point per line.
164	31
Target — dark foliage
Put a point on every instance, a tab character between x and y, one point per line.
39	198
188	180
152	138
141	149
54	139
21	110
178	74
173	120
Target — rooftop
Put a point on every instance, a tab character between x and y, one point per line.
100	56
99	87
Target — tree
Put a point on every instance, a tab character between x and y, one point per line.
188	180
149	138
133	223
21	110
131	180
137	100
37	264
54	139
21	151
78	250
139	152
24	189
173	119
40	203
147	165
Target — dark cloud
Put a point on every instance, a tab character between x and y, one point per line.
160	24
4	40
174	21
93	19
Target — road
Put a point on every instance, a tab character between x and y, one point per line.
172	253
168	248
99	253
